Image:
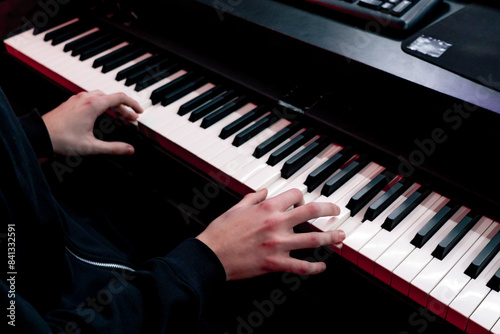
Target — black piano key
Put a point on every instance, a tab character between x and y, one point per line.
405	208
292	165
63	38
64	33
212	105
183	91
200	100
484	257
386	199
343	176
224	111
113	55
159	93
96	49
494	282
150	70
85	40
287	149
248	133
241	122
50	35
90	41
455	235
149	80
434	224
321	173
276	139
115	63
140	66
368	192
119	57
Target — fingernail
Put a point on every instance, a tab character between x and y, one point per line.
341	234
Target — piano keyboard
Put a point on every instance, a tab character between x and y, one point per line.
440	253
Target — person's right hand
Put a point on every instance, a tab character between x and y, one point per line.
256	235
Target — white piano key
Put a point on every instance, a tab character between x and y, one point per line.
471	296
342	196
82	73
353	223
297	180
209	148
250	166
47	55
190	132
39	50
316	193
407	270
496	328
270	174
158	121
397	252
436	269
208	151
226	146
455	280
211	134
258	164
373	249
485	315
368	229
143	96
26	38
51	56
79	72
107	83
253	167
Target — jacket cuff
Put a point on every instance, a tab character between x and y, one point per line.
198	265
37	134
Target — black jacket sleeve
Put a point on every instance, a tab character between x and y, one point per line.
38	136
166	295
50	288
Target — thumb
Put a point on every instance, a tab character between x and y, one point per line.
113	148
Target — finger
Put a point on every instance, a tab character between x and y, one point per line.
113	148
315	239
303	267
126	112
117	99
290	198
253	198
311	210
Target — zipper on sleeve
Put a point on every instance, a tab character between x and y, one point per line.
100	264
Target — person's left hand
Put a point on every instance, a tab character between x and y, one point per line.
71	125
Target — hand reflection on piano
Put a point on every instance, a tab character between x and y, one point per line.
256	235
